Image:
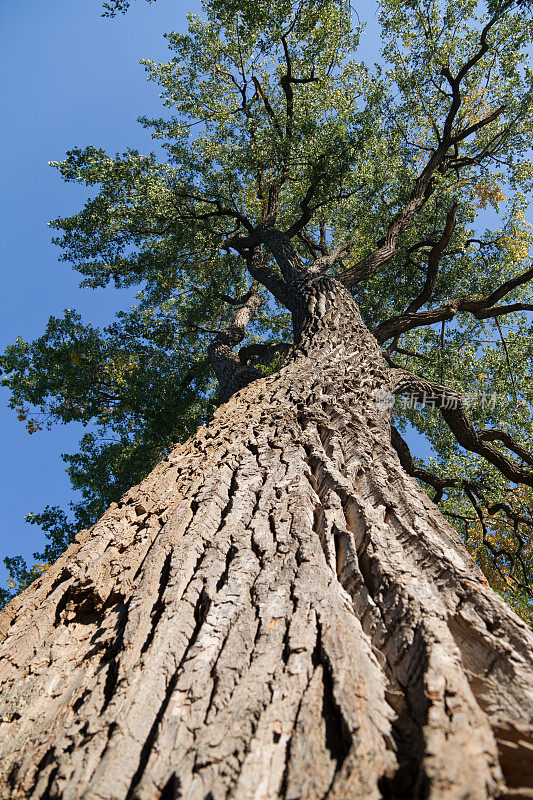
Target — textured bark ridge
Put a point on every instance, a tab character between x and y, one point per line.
277	612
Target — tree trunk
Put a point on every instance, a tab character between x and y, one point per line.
277	611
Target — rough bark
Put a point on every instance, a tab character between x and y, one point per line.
278	611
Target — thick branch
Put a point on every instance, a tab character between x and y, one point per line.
452	408
480	309
328	260
386	249
474	494
274	192
262	352
268	107
286	255
231	374
263	274
395	326
505	288
286	82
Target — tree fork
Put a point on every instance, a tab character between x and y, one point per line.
278	611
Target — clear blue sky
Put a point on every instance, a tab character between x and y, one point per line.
70	78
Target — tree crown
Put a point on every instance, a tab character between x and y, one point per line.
408	180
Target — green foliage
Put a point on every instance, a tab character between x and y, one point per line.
342	146
114	7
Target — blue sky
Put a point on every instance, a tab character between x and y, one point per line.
70	78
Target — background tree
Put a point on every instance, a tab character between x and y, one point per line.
278	605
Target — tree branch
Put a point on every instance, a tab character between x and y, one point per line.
433	262
452	408
221	209
480	309
423	186
284	252
231	374
474	494
261	272
406	460
268	108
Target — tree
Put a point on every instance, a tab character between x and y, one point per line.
279	609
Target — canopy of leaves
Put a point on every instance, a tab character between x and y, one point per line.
269	118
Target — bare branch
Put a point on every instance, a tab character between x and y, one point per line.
433	262
452	408
266	102
499	311
480	309
221	209
406	460
475	494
